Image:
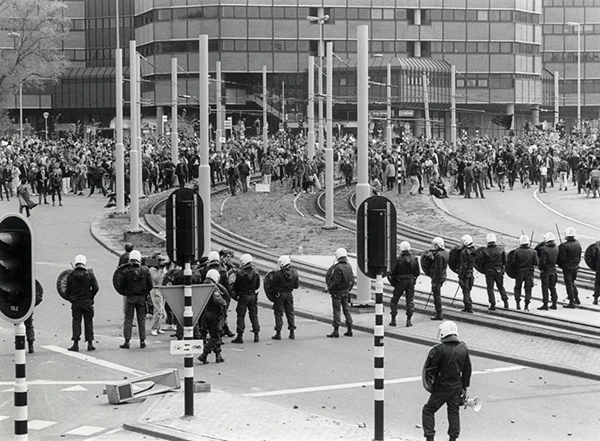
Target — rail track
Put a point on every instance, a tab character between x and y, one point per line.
313	276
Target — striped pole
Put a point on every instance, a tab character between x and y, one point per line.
188	334
20	384
379	359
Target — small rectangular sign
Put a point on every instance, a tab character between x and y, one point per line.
186	347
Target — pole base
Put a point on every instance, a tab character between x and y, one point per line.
362	308
327	227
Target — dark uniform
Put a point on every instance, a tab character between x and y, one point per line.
492	262
438	277
211	320
466	263
450	359
525	259
340	281
548	255
247	282
137	285
224	282
82	287
403	278
569	256
285	280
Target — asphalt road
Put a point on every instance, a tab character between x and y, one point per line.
66	396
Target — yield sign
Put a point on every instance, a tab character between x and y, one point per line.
173	294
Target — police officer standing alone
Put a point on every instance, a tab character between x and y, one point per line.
82	287
548	254
340	281
285	280
450	363
492	260
524	261
403	278
569	256
244	291
137	284
466	261
438	275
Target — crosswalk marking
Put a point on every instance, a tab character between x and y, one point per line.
74	389
40	424
85	431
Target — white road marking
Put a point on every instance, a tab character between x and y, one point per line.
55	382
110	432
296	206
61	265
12	389
4	417
366	384
535	195
40	424
85	430
77	388
94	360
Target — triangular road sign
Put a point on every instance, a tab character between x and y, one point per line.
173	294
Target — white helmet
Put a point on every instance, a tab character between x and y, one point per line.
80	260
135	255
549	237
524	240
467	240
213	256
245	259
490	238
283	261
213	275
438	242
404	246
570	232
341	252
448	328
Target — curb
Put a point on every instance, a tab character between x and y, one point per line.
564	216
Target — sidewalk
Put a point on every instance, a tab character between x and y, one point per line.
265	421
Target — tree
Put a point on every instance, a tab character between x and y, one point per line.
38	28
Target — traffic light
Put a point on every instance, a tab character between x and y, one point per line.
17	280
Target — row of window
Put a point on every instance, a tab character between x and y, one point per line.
427	15
571	2
570	57
550	29
427	47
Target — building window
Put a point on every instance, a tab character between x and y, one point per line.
425	17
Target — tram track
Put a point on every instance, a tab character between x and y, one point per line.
313	276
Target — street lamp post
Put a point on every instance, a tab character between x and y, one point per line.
15	36
578	25
321	19
46	115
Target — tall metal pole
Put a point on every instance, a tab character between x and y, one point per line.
265	121
20	394
321	140
426	103
556	98
133	152
218	83
453	104
579	77
119	148
188	334
204	173
283	104
21	114
388	131
329	146
378	374
174	113
363	190
311	108
140	148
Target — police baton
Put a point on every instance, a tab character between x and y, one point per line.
455	293
558	231
428	297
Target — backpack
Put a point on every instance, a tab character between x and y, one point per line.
454	258
591	255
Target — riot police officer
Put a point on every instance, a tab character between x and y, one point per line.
524	261
212	317
569	256
244	291
548	254
403	278
466	262
492	260
285	280
438	276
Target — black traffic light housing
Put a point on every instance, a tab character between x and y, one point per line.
17	279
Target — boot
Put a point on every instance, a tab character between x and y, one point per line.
437	316
408	322
349	333
518	305
143	344
570	305
393	321
74	347
553	306
292	335
125	345
595	302
31	351
526	306
492	307
256	338
227	332
577	301
238	339
429	438
505	304
91	346
202	358
218	358
334	334
277	336
544	307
